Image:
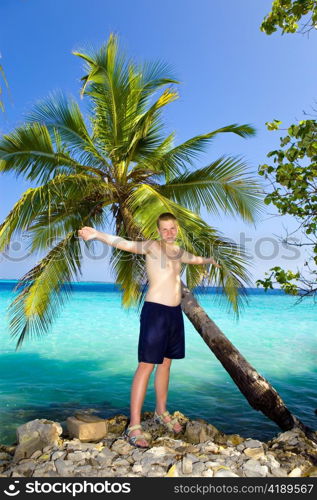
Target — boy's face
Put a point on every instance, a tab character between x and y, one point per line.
168	230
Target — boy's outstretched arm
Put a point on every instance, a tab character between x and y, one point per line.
189	258
89	233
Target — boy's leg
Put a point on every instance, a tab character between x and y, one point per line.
138	391
161	388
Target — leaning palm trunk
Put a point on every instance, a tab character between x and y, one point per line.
256	389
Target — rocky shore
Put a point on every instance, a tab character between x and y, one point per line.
50	449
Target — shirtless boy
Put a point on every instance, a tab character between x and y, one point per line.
161	336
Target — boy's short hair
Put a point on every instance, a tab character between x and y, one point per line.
165	216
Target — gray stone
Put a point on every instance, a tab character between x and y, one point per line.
120	462
121	447
77	456
106	472
154	471
44	470
198	468
197	432
252	443
58	454
105	457
26	469
64	467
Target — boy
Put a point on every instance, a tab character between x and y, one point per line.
161	336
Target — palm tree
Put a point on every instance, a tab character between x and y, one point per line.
122	168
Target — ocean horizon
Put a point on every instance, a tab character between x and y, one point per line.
88	359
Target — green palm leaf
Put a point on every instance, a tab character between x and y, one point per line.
222	186
57	112
35	201
29	151
187	152
44	289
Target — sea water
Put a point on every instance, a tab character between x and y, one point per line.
88	359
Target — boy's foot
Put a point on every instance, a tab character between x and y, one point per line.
172	424
136	437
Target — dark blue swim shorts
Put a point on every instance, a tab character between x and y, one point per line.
161	333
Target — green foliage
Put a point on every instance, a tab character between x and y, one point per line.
118	166
274	125
286	14
293	176
284	278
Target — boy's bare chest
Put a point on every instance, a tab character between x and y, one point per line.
161	260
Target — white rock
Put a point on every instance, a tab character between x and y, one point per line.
187	465
225	473
278	472
211	463
209	447
137	468
207	473
253	468
297	472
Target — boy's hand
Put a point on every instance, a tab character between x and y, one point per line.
216	265
87	233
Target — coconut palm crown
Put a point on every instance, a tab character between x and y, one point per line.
117	166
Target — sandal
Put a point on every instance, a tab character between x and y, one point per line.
133	439
159	419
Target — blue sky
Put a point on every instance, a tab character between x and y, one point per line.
230	71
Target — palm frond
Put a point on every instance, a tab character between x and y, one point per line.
223	186
44	289
187	152
35	201
29	151
62	113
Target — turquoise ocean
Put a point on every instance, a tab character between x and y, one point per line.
89	357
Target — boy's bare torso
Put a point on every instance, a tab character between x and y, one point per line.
163	266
